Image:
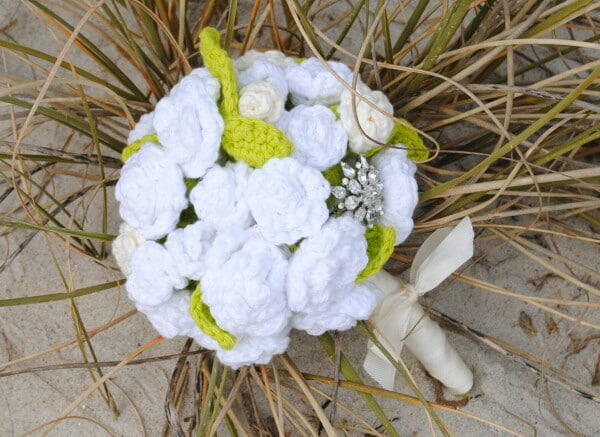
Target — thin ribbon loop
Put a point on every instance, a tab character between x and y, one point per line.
399	319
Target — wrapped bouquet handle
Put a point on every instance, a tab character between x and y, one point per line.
400	320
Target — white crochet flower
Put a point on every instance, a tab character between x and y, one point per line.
200	82
325	263
261	100
154	275
189	245
246	291
123	246
219	198
400	191
262	70
172	317
189	127
151	192
375	124
143	127
320	141
353	303
287	200
273	56
310	82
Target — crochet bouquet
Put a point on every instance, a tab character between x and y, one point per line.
253	202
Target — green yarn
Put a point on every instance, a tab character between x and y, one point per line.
335	110
334	175
187	217
245	139
200	312
403	133
380	246
134	147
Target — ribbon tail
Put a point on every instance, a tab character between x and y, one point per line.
379	368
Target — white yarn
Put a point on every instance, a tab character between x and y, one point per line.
200	82
254	350
320	140
246	292
353	303
151	192
153	275
325	262
219	198
123	246
263	70
310	82
172	317
188	246
375	124
400	191
143	127
287	200
261	100
189	127
273	56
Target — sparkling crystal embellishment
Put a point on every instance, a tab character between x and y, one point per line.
361	192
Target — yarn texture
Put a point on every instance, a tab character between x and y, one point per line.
252	203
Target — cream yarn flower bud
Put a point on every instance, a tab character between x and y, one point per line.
261	100
287	200
123	246
376	125
320	140
151	192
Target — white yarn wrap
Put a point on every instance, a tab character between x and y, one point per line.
287	200
261	100
320	140
310	82
188	246
154	275
400	191
320	283
219	198
399	319
376	125
151	192
123	246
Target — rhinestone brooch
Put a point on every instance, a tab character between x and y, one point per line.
361	192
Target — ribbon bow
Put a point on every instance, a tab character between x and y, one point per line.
399	319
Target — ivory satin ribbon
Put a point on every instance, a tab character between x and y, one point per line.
399	319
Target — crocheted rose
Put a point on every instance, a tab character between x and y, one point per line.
189	245
320	140
400	196
189	128
246	292
143	127
197	84
154	275
273	56
353	303
254	350
376	125
264	71
219	198
287	200
326	265
123	246
310	82
261	100
151	192
172	317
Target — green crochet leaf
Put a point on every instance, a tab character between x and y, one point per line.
334	175
135	147
380	246
200	312
403	134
